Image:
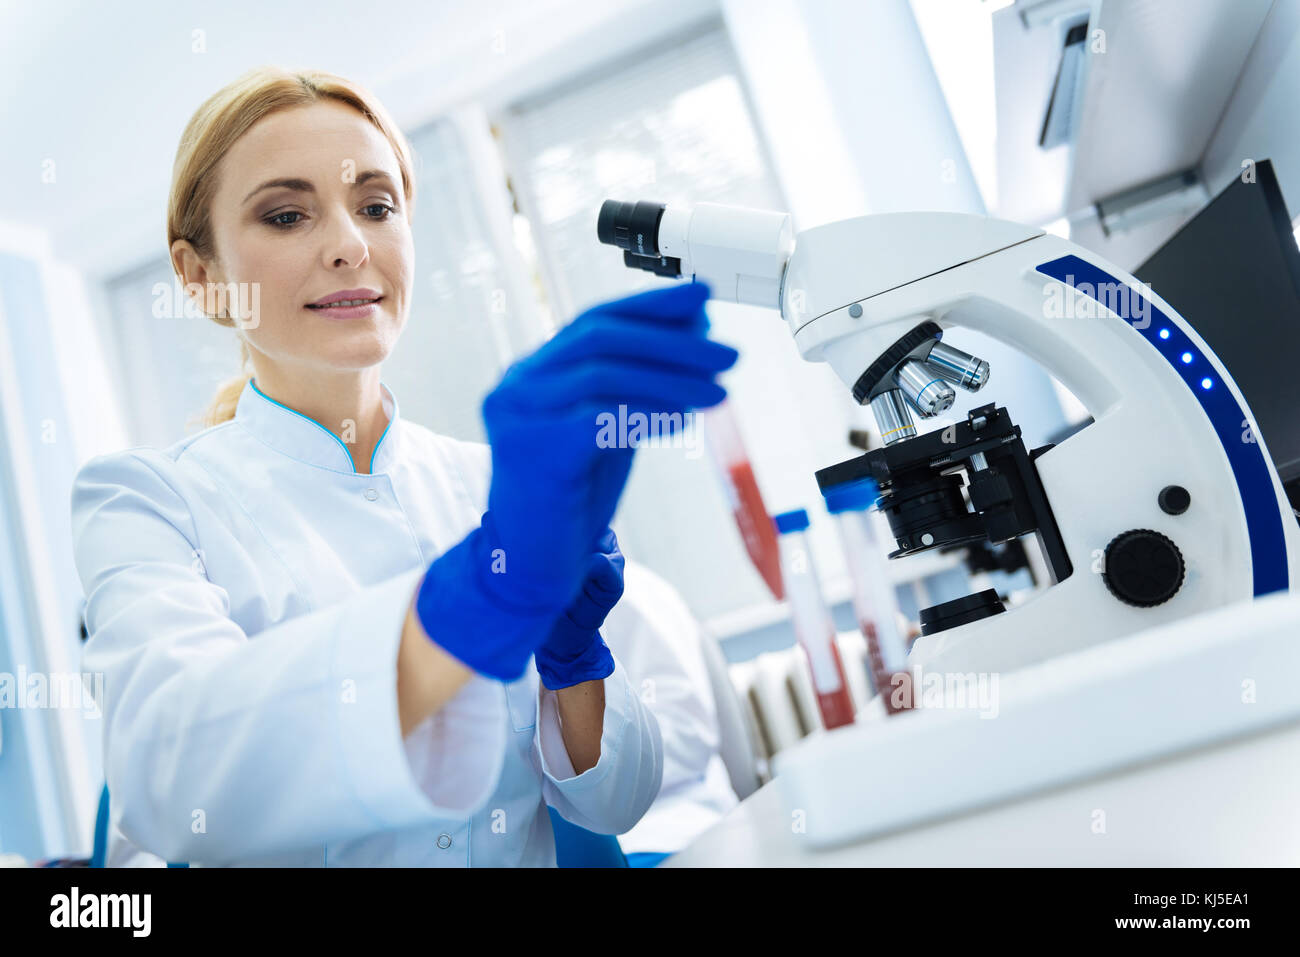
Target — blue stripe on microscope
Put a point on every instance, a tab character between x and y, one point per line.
1249	467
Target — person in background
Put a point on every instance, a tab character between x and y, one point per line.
657	639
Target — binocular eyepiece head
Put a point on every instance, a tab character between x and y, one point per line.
630	226
634	228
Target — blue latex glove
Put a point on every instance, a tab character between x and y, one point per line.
574	651
492	599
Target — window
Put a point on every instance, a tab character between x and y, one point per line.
170	362
471	311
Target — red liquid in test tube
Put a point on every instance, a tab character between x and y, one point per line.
836	706
755	526
894	687
873	593
737	475
812	621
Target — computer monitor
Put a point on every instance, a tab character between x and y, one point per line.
1233	272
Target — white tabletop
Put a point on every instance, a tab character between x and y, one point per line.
1232	805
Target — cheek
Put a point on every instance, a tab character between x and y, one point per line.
280	272
276	274
279	267
395	255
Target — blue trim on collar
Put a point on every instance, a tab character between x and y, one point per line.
308	418
375	451
387	398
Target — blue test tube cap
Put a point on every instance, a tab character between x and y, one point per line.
792	521
851	496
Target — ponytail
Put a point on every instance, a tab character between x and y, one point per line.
222	407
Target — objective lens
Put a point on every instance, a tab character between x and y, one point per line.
960	368
892	417
923	387
630	226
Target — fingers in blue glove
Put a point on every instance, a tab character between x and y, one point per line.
602	585
608	543
555	484
610	336
613	383
679	303
669	308
604	576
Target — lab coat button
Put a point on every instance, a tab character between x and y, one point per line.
444	841
371	494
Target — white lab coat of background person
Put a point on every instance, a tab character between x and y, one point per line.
245	594
657	639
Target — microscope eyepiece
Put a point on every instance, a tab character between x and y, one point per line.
741	253
630	226
659	265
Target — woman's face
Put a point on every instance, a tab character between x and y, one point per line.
342	225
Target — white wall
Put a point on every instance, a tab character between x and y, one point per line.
1258	122
1262	120
55	407
869	131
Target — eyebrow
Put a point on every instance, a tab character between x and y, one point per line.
305	186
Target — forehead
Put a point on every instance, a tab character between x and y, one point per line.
311	142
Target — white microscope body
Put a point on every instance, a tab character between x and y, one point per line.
1165	507
1169	627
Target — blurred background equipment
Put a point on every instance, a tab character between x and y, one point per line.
1233	271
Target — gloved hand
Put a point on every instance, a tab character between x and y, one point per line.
492	599
574	651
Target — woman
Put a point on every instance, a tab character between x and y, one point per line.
322	628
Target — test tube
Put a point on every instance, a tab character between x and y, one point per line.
727	449
812	620
873	591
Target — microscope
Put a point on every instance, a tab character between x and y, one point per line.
1166	506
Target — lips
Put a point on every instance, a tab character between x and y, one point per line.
345	303
346	297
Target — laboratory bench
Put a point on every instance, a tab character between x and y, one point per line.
1228	805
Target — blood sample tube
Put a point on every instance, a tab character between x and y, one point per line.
873	591
812	620
737	474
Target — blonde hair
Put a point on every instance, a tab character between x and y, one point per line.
215	126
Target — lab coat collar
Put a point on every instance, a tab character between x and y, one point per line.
305	439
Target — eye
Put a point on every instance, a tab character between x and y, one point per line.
274	220
388	211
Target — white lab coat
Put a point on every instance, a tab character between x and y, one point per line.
245	592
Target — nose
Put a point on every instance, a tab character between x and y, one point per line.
344	243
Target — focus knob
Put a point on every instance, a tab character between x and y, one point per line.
1143	568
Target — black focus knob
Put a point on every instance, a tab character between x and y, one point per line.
1174	499
1143	568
